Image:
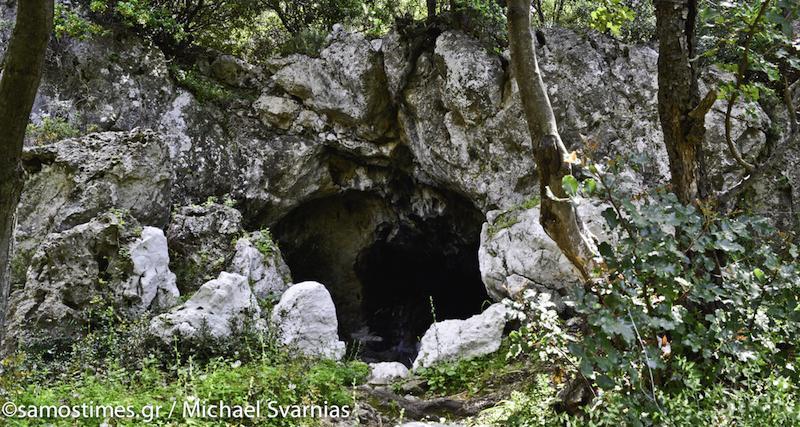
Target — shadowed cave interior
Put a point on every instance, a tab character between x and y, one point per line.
384	262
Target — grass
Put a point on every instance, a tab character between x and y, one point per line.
120	367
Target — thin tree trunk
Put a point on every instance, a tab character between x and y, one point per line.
558	217
22	71
681	111
431	6
540	12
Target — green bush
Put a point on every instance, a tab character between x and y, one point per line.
721	291
51	129
692	314
202	87
67	22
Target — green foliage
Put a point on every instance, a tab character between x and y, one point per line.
202	87
682	283
299	15
692	317
67	22
265	243
773	401
735	34
628	20
610	16
484	20
532	407
180	24
50	129
117	363
451	377
470	376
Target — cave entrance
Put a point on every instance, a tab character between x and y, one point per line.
390	265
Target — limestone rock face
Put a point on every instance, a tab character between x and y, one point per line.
516	254
455	339
305	318
152	281
201	241
210	311
277	111
102	263
346	82
473	79
232	70
74	180
267	273
385	373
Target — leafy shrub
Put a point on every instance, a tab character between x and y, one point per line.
67	22
484	20
202	87
179	24
470	376
771	59
686	281
686	303
51	129
610	16
265	243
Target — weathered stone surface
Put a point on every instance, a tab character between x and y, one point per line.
385	373
305	318
267	273
489	161
516	254
455	339
473	79
201	242
73	180
151	281
87	268
232	71
210	312
277	111
110	82
347	83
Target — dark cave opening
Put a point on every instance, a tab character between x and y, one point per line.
384	262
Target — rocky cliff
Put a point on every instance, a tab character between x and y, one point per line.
375	165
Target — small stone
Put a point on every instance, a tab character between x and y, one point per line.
385	373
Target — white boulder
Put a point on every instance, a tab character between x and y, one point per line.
305	318
516	254
152	281
217	305
451	340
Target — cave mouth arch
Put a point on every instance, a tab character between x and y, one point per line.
390	263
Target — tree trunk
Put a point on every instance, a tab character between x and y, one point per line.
431	5
22	71
558	217
681	111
